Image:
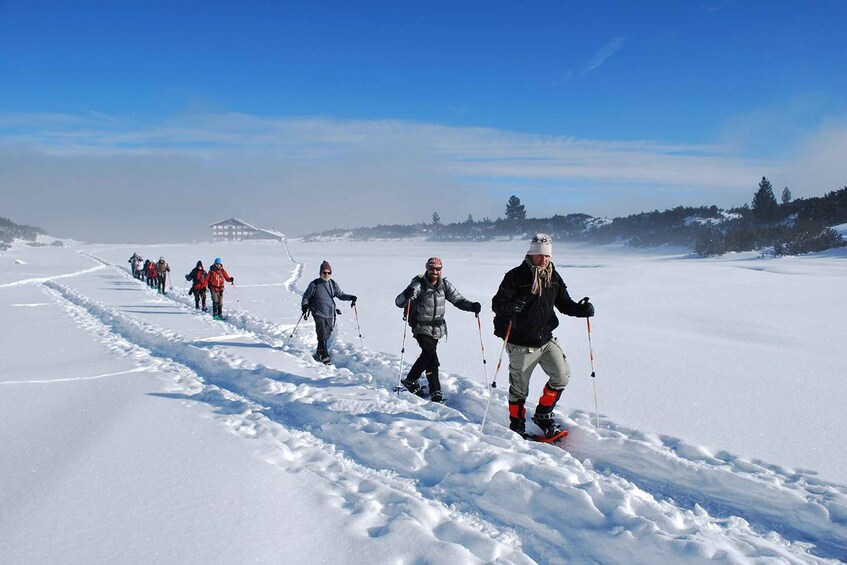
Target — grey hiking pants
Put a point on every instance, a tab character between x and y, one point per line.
323	327
217	301
523	360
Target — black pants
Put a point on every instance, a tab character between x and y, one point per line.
427	363
199	294
161	282
323	327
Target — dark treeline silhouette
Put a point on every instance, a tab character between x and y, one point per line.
10	231
791	227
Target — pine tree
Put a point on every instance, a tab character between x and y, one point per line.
514	209
764	202
436	219
786	195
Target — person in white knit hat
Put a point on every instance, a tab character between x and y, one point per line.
524	317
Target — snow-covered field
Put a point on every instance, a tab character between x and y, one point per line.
136	430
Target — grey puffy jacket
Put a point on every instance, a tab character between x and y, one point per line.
429	304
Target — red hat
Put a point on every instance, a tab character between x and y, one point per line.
434	262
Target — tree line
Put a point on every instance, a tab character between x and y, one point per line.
789	227
10	231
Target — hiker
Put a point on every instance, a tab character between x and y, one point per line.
151	274
319	299
524	317
425	299
197	276
162	270
135	263
215	280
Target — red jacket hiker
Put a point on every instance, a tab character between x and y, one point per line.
197	276
215	280
216	277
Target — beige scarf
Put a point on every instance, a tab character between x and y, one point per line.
541	278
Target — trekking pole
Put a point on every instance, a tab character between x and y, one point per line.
237	301
494	383
356	312
405	325
294	330
593	375
482	347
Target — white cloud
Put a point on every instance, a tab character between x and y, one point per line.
604	53
308	174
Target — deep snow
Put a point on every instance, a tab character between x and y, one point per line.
138	430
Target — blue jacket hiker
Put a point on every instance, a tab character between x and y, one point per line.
319	299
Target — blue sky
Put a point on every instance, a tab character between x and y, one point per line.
225	109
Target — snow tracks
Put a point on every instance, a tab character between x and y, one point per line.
407	467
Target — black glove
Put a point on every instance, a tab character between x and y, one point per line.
232	280
476	307
408	293
352	300
518	305
587	308
305	309
188	277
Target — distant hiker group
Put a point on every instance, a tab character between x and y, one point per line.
524	318
155	273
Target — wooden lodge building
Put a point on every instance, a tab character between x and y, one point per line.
234	229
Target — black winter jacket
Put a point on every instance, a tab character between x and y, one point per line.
534	325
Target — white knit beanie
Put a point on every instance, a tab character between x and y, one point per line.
542	244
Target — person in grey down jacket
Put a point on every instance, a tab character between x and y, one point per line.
319	299
524	317
426	298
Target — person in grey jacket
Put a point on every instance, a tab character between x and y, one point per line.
319	299
425	298
162	270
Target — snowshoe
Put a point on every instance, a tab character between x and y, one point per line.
549	426
413	387
325	359
562	434
437	397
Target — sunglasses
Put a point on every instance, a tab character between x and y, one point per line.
433	268
326	272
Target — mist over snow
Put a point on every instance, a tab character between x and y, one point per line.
138	430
